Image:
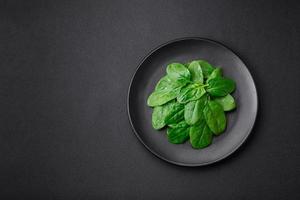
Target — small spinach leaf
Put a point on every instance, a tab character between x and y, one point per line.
200	135
178	72
215	117
179	133
191	92
220	86
196	72
226	102
193	111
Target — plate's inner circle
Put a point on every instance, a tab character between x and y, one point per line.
239	122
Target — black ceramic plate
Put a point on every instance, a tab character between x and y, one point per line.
152	68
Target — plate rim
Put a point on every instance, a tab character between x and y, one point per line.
156	153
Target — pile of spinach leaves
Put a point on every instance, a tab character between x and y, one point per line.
191	101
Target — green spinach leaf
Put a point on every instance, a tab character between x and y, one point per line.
193	111
200	135
191	92
220	86
207	68
215	117
161	97
196	72
178	72
216	73
175	114
166	83
165	90
179	133
160	113
226	102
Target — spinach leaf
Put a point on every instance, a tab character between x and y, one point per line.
159	114
200	135
216	73
178	72
196	72
193	111
163	83
226	102
191	92
161	97
165	90
220	86
207	68
158	118
215	117
166	83
175	114
178	133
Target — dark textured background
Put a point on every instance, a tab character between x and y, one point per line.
65	71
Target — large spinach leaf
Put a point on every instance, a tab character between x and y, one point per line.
191	92
200	135
193	111
215	117
220	86
178	133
